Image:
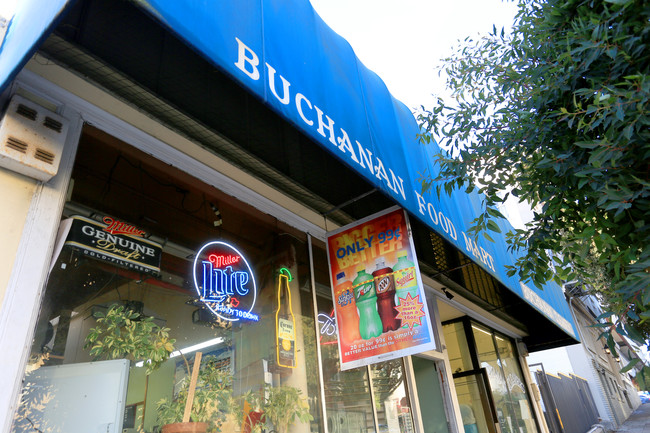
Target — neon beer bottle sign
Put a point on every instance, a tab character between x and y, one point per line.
224	281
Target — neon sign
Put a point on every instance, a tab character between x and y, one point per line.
285	322
224	281
116	227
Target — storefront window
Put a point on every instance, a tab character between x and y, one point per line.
492	392
347	393
488	359
391	402
253	325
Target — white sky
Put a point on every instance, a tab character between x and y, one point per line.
403	40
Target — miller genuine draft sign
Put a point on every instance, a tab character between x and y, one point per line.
115	242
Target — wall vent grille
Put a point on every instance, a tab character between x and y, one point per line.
45	156
26	111
52	124
16	144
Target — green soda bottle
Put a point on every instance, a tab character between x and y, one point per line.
405	280
364	292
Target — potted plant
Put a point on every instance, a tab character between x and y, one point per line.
121	333
203	403
282	406
285	405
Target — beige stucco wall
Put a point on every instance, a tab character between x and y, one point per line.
16	192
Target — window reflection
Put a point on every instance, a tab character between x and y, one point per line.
459	354
473	405
516	385
391	402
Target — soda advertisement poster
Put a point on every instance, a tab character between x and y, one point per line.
379	304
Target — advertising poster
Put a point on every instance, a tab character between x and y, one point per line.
379	303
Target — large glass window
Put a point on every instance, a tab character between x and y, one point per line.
257	366
474	407
347	393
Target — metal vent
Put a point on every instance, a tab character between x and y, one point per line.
54	125
31	139
16	144
45	156
26	111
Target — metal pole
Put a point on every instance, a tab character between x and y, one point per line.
317	334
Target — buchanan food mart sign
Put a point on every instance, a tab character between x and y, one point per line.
283	53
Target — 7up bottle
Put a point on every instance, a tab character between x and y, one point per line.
364	292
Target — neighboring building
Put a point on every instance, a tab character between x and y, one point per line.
137	134
614	393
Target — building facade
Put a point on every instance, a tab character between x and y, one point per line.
177	180
614	393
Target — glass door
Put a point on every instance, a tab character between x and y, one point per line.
471	379
476	404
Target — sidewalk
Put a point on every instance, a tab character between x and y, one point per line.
638	422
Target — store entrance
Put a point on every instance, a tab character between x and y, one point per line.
430	397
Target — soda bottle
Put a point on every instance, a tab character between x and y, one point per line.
347	318
364	292
405	280
385	287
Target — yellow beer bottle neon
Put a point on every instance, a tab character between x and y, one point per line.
285	323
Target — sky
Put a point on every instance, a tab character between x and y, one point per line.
403	41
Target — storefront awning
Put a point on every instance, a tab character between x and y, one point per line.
21	31
283	53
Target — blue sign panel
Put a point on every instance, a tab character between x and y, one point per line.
31	22
286	55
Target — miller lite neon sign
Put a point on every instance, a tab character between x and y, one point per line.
224	281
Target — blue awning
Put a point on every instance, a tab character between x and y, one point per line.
282	52
31	22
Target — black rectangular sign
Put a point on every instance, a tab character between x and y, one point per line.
103	242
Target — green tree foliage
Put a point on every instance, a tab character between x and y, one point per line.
122	333
555	113
213	399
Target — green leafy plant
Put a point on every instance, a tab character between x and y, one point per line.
556	112
284	405
281	405
213	400
121	333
